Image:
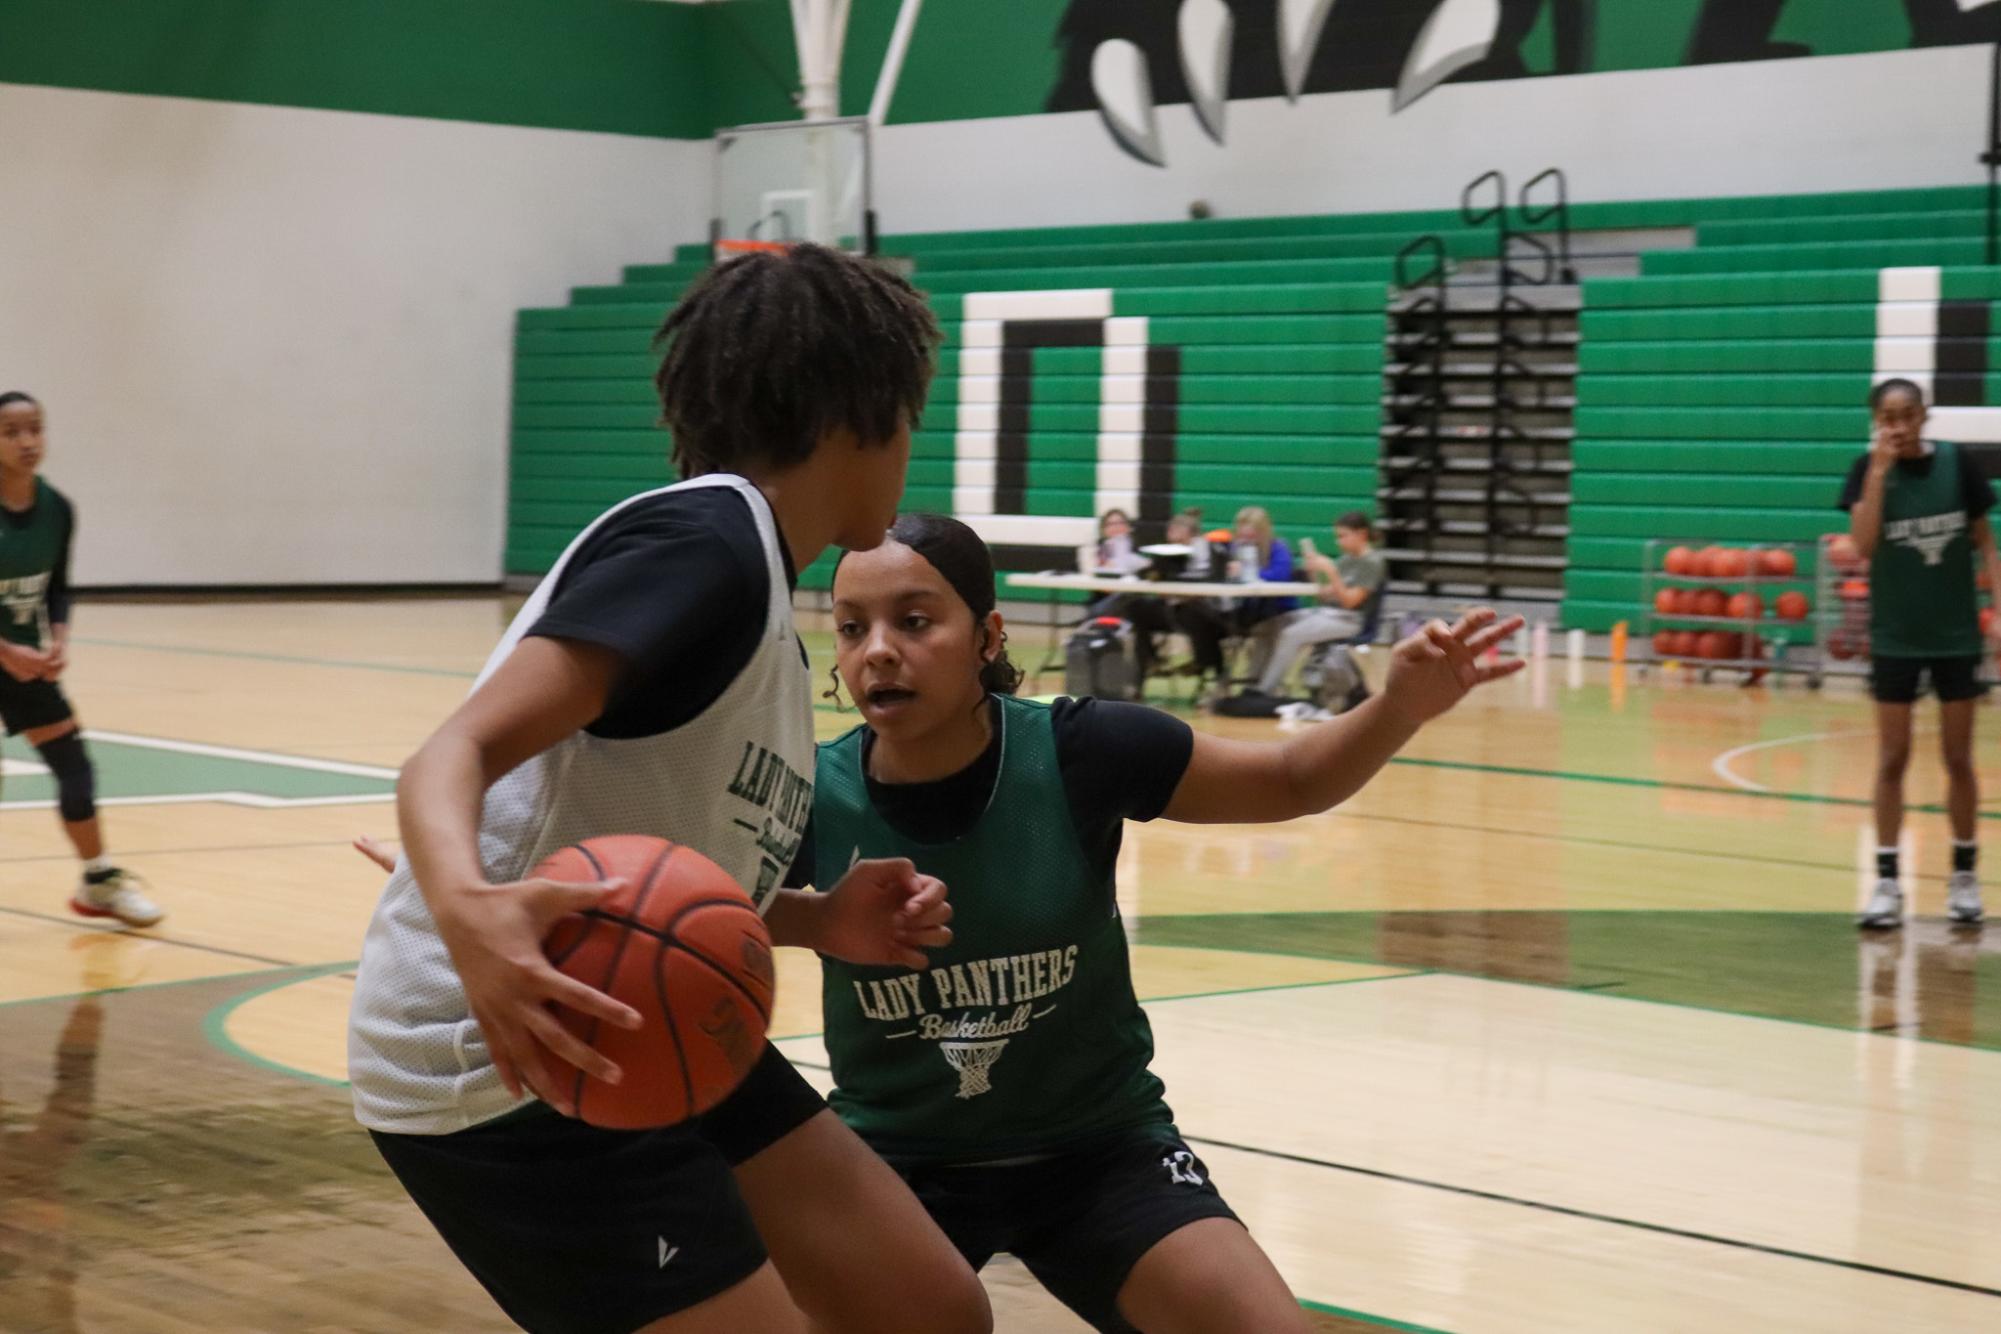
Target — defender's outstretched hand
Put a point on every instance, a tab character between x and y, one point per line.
1440	665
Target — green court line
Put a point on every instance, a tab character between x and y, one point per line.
1396	976
1662	784
215	1025
354	664
1599	994
1624	845
1463	766
1380	1320
153	986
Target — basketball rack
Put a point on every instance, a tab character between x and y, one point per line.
1767	642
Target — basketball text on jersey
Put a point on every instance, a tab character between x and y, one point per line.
783	799
1012	982
21	599
1928	534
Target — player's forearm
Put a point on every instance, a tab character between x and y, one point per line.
1335	760
794	918
1865	521
438	797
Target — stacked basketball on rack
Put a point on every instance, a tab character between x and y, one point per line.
1712	604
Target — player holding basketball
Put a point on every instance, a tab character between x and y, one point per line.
1918	513
37	525
656	654
1009	1082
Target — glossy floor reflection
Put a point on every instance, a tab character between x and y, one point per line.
1560	1025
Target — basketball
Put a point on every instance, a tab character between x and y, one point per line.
1705	562
1664	643
1713	644
1711	602
1732	563
1680	560
1792	606
682	944
1841	550
1777	563
1746	607
1667	602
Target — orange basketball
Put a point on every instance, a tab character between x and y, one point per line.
1855	590
1987	620
1792	606
1732	563
1711	602
1667	602
1664	643
1686	643
1680	560
1713	644
682	944
1841	550
1777	563
1746	607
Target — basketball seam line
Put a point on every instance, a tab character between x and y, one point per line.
724	973
617	953
674	1033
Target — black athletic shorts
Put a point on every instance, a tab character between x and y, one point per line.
1079	1220
1899	680
577	1230
26	705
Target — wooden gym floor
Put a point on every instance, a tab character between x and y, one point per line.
1560	1026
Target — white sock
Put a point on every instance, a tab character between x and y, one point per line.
97	865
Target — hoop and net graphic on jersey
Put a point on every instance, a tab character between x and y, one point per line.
975	1062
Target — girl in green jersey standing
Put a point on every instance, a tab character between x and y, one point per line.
1008	1082
36	525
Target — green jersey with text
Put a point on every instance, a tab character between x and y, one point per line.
34	554
1024	1035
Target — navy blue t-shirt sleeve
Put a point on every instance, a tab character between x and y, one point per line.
677	586
58	591
801	874
1120	761
1851	489
1973	483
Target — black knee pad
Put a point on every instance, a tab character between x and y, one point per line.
76	782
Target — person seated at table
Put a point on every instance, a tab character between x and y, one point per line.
1349	588
1204	621
1260	556
1117	556
1117	553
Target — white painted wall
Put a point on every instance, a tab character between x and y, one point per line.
275	344
1906	118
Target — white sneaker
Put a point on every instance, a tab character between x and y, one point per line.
1962	897
119	895
1886	906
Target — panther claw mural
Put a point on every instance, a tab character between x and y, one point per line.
1127	58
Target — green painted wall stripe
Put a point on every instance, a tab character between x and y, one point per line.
605	65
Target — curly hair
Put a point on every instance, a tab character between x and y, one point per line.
768	353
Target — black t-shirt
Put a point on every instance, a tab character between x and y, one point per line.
677	585
1119	762
1973	483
